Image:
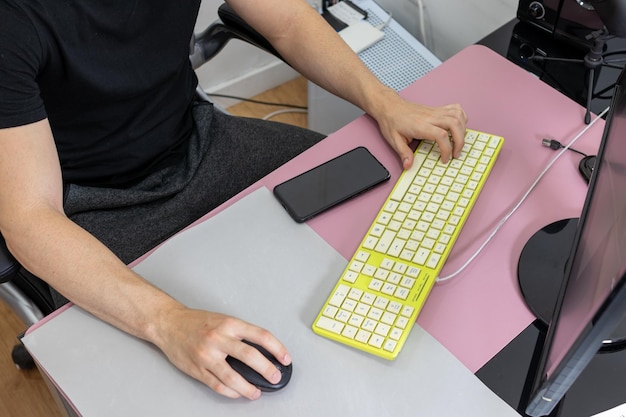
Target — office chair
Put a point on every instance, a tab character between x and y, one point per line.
28	296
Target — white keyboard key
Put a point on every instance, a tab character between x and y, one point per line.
381	273
382	329
351	276
376	341
362	336
375	285
413	272
349	332
394	278
433	260
400	267
407	178
388	318
370	242
395	334
381	302
355	294
401	322
394	307
330	311
362	256
388	289
402	293
390	345
369	270
342	316
493	142
375	314
396	247
349	305
330	325
362	309
369	325
356	320
421	256
385	241
368	298
356	266
339	295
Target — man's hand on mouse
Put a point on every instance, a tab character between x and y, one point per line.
198	342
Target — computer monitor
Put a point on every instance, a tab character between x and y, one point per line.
591	301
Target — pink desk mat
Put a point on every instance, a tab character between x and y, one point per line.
480	311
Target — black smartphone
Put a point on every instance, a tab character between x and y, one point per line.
330	183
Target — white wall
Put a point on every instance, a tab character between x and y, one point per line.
451	25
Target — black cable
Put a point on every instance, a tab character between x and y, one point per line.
294	106
555	145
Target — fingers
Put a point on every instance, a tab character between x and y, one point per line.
201	345
450	135
444	125
234	384
458	129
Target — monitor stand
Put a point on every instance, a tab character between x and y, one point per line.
540	271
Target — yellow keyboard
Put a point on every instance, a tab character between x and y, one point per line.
386	283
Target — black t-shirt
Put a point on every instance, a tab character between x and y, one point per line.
112	76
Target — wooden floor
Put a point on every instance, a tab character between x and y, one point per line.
293	92
24	393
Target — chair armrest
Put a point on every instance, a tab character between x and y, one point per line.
243	30
206	44
8	265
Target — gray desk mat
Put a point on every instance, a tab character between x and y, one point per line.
254	262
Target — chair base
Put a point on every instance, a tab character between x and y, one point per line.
21	357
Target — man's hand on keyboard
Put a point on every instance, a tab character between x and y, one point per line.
197	342
401	122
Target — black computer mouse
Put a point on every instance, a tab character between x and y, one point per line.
257	379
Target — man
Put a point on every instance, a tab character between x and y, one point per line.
104	153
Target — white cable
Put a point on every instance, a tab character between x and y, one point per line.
422	28
430	38
386	22
514	209
277	112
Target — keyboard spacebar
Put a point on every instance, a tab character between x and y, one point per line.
406	179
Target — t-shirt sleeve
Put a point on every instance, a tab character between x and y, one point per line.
20	61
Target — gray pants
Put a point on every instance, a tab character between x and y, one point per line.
226	154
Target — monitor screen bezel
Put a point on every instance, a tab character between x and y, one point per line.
547	391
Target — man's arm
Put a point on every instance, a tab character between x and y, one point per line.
76	264
313	48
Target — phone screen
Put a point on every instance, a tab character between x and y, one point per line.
330	183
